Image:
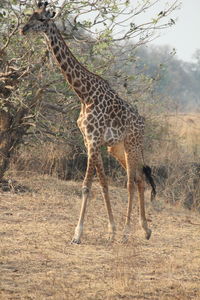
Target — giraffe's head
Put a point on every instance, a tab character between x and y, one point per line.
39	20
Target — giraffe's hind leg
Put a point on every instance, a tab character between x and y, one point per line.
143	221
130	159
118	152
126	159
135	175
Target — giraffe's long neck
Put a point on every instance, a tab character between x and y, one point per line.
84	83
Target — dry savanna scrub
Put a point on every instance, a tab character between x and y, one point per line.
38	261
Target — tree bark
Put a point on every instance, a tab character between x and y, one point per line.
6	141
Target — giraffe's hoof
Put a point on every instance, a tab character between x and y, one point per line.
75	241
148	234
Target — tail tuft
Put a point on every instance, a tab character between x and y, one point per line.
149	178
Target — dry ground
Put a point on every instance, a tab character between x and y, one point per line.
38	262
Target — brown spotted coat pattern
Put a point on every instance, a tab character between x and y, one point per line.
105	119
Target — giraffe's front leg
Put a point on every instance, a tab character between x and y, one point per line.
79	228
87	183
104	186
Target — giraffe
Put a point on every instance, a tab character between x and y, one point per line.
105	119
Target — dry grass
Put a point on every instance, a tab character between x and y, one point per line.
38	262
176	155
187	128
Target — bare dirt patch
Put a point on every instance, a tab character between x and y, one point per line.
38	262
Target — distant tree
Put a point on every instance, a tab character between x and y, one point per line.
171	80
196	65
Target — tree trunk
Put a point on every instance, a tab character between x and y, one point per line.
11	134
6	141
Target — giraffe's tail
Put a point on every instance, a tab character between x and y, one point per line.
149	178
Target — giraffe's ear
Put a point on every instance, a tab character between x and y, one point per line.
52	14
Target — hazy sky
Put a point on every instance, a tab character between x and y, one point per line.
185	35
